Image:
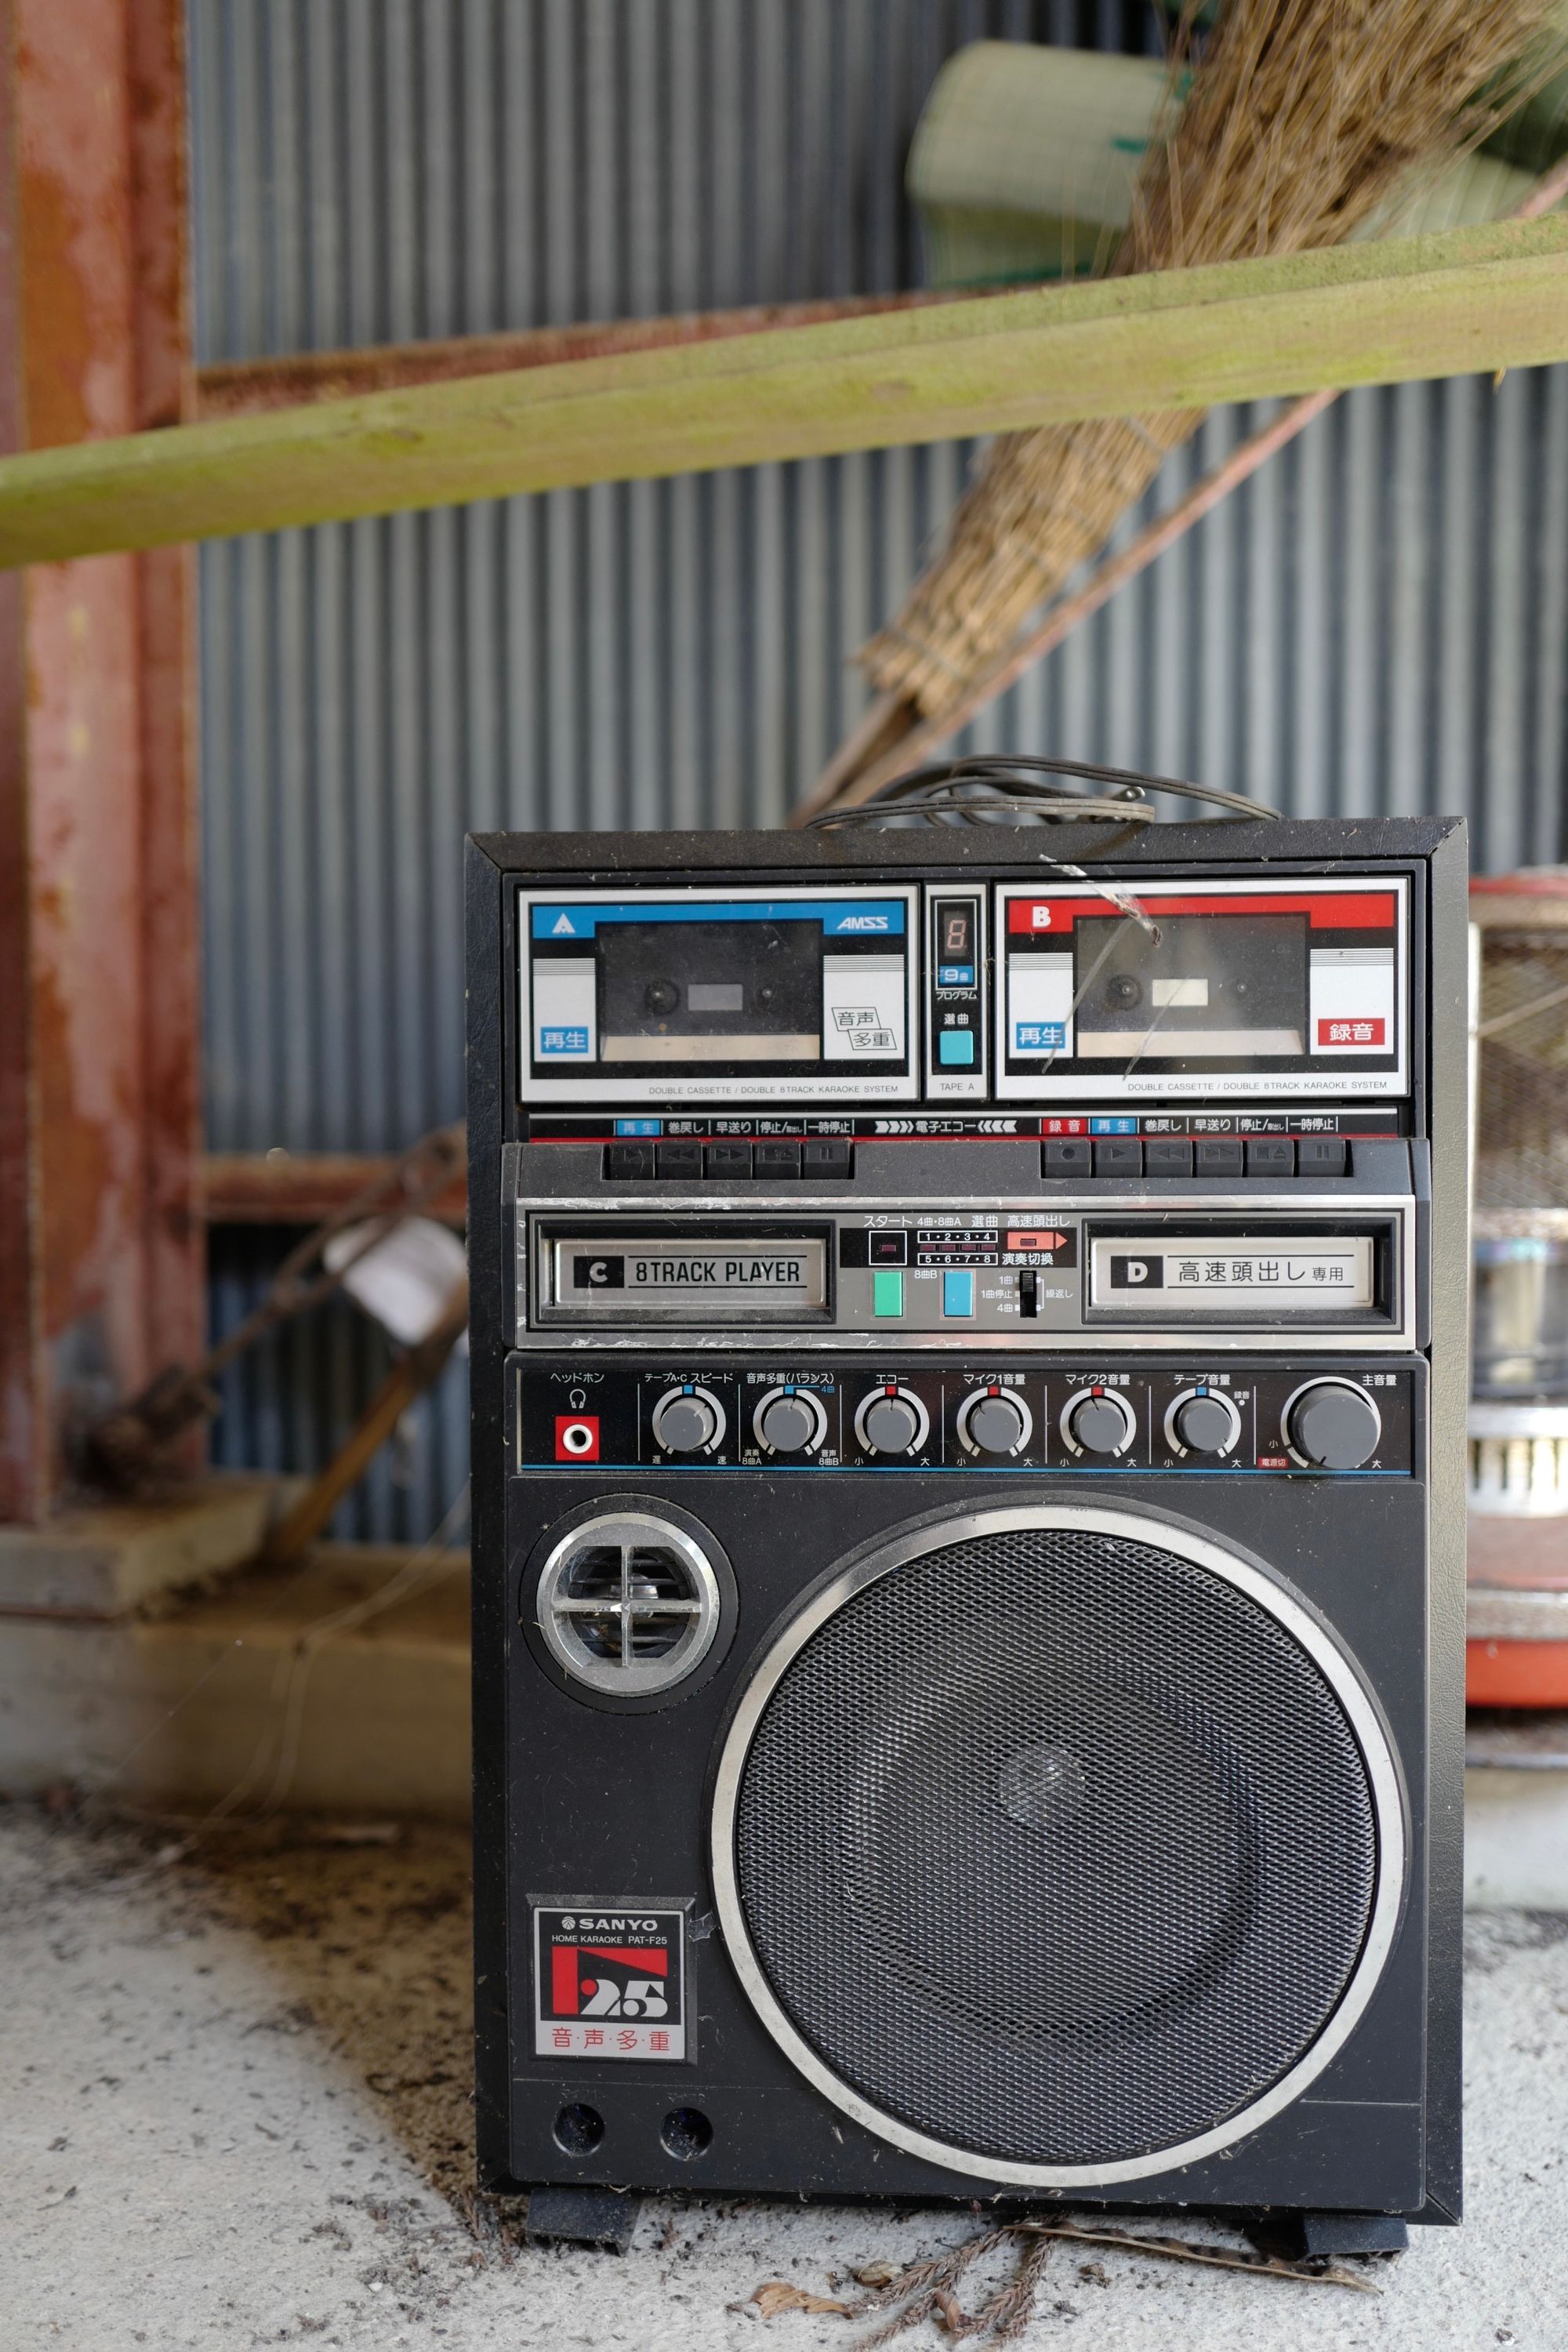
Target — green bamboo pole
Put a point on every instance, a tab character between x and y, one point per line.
1471	299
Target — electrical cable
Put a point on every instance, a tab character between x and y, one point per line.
986	786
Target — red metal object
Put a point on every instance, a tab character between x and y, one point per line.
1518	1575
1537	882
99	1244
1516	1673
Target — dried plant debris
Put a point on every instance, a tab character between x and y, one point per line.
930	2290
1304	117
1312	2272
925	2290
777	2294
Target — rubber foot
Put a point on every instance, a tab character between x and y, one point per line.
588	2217
1296	2237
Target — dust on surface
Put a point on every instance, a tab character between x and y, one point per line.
236	2112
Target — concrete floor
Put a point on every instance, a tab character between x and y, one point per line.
236	2113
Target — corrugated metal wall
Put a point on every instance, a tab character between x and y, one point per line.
1379	623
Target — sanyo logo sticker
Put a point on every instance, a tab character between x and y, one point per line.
609	1981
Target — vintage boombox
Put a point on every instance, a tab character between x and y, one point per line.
969	1382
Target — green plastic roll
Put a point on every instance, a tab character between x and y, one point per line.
1025	160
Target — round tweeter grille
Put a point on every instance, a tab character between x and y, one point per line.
628	1604
1059	1845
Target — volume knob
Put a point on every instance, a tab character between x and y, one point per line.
1332	1424
1101	1425
994	1424
1202	1421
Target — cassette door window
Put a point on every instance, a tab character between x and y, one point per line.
1253	989
673	995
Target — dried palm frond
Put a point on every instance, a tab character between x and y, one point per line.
1303	117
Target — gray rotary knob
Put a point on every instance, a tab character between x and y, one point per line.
1332	1424
994	1424
687	1420
1101	1425
892	1421
789	1420
1202	1422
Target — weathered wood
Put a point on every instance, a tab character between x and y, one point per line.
302	1188
1468	301
252	387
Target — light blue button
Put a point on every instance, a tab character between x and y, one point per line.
958	1293
1113	1125
955	1049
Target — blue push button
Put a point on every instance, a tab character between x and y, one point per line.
955	1049
958	1293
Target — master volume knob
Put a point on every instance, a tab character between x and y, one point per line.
1332	1425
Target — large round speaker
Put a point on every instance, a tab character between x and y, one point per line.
1057	1845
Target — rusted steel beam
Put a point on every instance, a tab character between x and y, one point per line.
98	1245
23	1451
301	1188
166	666
252	387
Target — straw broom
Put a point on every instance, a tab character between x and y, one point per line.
1304	115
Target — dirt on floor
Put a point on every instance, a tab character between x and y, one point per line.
236	2112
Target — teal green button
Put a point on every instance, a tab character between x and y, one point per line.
887	1294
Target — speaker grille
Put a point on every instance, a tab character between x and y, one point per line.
1056	1848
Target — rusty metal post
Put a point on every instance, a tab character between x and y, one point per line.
100	1268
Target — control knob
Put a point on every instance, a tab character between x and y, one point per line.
995	1422
1332	1425
688	1420
1202	1421
789	1420
1097	1421
892	1420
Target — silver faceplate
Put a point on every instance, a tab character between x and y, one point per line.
1066	1322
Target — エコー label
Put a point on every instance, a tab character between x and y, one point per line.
609	1980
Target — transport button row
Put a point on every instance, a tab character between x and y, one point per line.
1313	1156
780	1160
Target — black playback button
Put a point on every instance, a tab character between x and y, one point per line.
1120	1156
1217	1155
1321	1155
730	1162
628	1163
680	1162
772	1160
1271	1155
1167	1155
1066	1157
826	1157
